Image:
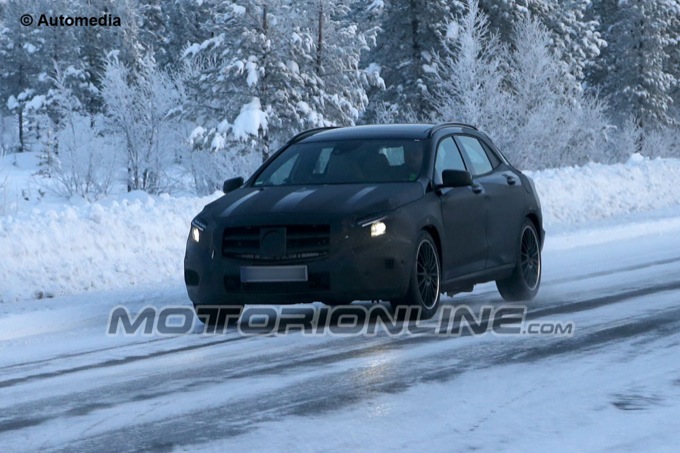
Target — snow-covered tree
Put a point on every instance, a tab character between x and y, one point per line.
337	45
636	71
21	76
411	34
552	122
142	110
187	23
93	45
83	160
264	76
574	37
519	93
469	81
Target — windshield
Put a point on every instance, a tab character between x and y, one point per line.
345	162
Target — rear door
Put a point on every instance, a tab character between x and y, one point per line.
463	216
503	196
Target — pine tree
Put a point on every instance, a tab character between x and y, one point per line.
264	76
517	92
22	79
187	23
574	37
636	70
93	46
411	35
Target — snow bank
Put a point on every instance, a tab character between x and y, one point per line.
73	246
575	195
135	240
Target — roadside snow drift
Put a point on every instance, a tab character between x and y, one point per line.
132	241
53	248
581	194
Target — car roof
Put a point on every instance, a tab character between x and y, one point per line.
382	131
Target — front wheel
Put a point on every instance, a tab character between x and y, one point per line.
525	279
424	286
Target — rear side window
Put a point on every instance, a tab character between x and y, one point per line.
476	155
495	161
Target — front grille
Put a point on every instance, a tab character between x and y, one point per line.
302	242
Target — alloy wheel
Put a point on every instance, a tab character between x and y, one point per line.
427	273
530	258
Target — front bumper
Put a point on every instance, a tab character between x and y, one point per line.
357	267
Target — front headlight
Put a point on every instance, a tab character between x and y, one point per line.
376	223
198	226
195	234
378	229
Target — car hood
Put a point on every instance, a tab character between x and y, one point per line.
328	202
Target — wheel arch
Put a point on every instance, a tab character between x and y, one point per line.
432	231
537	225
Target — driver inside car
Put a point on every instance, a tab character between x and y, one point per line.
413	159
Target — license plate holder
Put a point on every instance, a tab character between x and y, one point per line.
273	274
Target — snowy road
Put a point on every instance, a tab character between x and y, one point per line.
615	384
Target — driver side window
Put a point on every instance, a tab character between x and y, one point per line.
282	174
448	158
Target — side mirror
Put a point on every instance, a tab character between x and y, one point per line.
232	184
456	178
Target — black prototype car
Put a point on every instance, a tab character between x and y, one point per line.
399	213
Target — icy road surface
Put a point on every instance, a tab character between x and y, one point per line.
66	385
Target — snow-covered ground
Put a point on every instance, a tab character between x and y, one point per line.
611	263
612	386
50	246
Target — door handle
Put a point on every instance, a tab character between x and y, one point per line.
476	188
511	180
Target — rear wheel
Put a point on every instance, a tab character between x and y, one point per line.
424	286
525	280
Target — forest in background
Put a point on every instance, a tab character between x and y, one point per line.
214	87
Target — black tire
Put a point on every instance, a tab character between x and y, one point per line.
525	279
425	282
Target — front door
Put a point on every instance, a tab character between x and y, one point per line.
464	217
